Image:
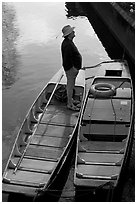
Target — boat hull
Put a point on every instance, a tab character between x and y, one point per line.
105	131
44	140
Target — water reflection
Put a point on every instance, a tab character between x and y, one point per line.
9	53
37	22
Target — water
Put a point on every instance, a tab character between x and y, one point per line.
34	56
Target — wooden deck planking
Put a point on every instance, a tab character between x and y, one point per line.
59	119
102	110
59	115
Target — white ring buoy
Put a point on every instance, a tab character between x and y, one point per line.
102	90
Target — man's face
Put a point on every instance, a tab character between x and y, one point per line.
72	34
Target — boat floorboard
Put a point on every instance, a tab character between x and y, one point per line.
59	118
103	110
49	141
54	130
44	152
59	113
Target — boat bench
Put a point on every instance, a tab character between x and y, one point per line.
103	132
102	147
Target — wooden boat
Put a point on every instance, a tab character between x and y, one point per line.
105	131
44	140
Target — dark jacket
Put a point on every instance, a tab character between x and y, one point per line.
70	55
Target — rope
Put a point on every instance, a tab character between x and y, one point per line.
123	56
110	193
115	119
83	192
94	66
115	111
91	114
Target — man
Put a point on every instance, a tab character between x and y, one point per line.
72	62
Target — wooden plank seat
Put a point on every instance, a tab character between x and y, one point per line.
102	147
107	138
92	121
95	183
35	165
26	178
104	132
14	188
97	171
103	159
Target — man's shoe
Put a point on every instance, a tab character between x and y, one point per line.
73	108
75	102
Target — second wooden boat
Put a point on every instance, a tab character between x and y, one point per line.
44	140
105	131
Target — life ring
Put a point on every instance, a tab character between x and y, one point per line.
102	90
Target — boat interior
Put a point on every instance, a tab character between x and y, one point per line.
41	142
103	133
56	123
108	119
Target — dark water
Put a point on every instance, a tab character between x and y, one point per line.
31	55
